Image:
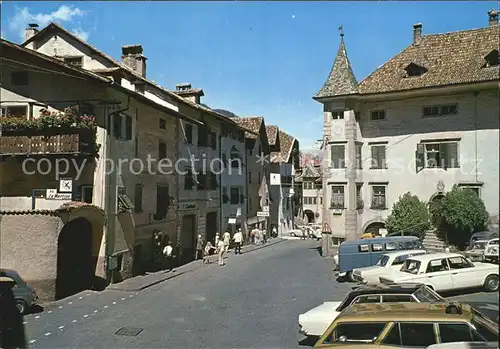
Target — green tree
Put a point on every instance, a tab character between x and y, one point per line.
410	216
462	213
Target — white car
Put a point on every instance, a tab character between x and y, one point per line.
491	250
314	322
445	272
464	345
388	262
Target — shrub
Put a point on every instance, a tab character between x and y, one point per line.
410	216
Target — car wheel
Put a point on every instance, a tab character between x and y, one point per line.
292	234
350	277
491	283
21	306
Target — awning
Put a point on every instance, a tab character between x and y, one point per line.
255	220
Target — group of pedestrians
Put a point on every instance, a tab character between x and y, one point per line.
221	246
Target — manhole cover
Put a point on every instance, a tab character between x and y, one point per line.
128	331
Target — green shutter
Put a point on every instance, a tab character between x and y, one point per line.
420	158
452	156
443	156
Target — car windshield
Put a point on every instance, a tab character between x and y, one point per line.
426	295
494	242
479	245
484	327
382	261
411	266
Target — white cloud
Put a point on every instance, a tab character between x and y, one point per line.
64	13
81	34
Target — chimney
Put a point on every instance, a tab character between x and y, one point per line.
417	34
186	91
493	17
30	31
132	57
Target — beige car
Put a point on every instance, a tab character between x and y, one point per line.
407	325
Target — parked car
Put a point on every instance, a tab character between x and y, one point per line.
475	252
445	272
482	235
314	322
296	232
406	325
314	232
491	251
24	295
366	252
465	345
386	263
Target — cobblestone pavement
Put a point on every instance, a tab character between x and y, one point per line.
252	302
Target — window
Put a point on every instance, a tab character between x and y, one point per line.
87	193
201	181
188	180
213	140
338	156
19	78
364	248
377	115
355	332
235	195
399	260
162	150
378	197
413	69
225	197
411	266
7	281
162	201
128	127
15	111
491	59
138	198
202	136
359	158
393	337
439	110
391	246
459	263
474	187
123	203
211	181
437	265
162	124
417	334
397	298
337	197
308	185
437	155
337	115
367	299
249	177
455	333
136	145
188	133
235	158
377	247
378	157
74	61
382	261
250	204
485	331
117	125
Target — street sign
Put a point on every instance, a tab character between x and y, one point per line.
265	208
326	229
52	194
231	221
262	214
275	179
65	185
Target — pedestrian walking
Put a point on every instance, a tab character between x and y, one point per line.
169	256
199	248
206	252
303	237
264	236
11	321
220	251
227	241
275	232
238	240
217	238
252	236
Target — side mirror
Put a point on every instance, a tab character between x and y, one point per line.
343	339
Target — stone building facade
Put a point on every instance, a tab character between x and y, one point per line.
420	123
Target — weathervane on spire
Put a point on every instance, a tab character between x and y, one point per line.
341	30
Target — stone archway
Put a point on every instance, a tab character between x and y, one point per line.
75	261
374	228
310	216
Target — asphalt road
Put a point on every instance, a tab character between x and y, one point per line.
252	302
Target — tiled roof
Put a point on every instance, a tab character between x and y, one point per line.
272	134
450	58
310	171
54	25
251	123
68	206
286	145
341	80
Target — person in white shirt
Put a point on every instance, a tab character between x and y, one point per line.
221	250
206	252
238	240
227	240
168	254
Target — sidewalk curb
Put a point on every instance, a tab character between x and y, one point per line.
168	276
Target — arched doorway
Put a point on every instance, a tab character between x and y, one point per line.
75	271
374	228
310	216
436	219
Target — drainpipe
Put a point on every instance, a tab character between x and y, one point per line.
475	135
110	180
221	174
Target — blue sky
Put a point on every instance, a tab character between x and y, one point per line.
253	58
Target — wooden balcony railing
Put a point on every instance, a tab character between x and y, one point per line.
53	141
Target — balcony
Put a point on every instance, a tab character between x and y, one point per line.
23	142
50	133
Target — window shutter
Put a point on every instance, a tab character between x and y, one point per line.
443	155
420	158
375	161
452	159
381	156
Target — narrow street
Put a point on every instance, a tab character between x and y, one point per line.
252	302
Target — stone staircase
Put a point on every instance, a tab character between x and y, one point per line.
432	243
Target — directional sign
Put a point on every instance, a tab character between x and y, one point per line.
275	179
65	185
262	214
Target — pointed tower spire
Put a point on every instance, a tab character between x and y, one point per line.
341	80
